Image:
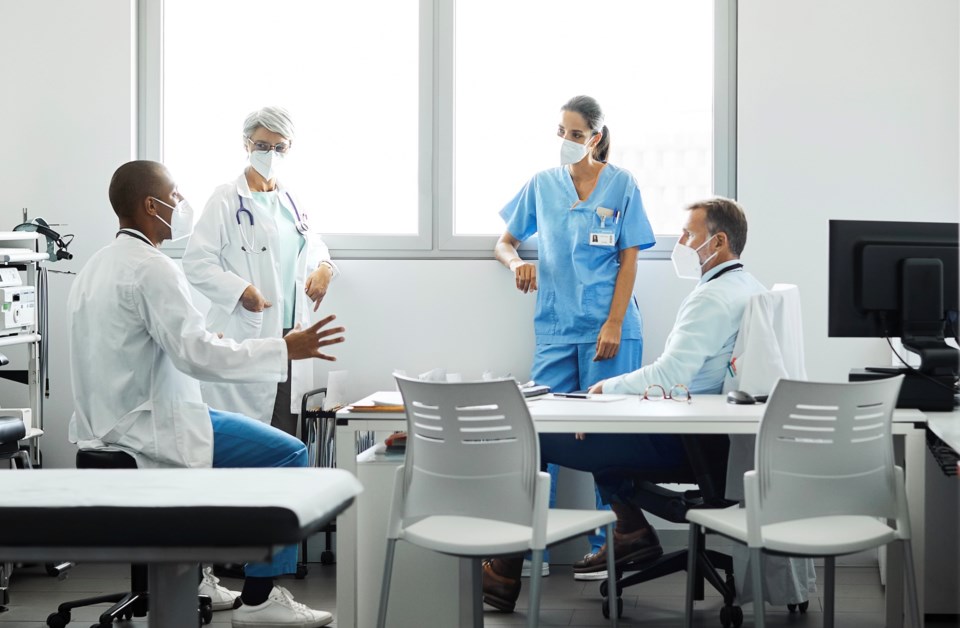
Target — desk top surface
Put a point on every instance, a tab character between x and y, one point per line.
704	414
946	425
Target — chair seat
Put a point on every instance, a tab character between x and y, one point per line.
473	536
815	536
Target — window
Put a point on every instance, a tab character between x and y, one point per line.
649	64
418	120
346	71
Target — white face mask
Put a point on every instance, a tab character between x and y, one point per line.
181	222
266	162
686	260
572	153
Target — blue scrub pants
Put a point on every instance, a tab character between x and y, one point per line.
614	459
239	441
570	367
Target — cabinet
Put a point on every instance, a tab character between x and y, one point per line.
23	312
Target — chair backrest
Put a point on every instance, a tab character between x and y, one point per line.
770	342
826	449
471	450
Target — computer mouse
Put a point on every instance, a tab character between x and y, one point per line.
740	397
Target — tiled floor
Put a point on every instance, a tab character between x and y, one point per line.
566	602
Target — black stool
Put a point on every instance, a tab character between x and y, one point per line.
11	431
129	604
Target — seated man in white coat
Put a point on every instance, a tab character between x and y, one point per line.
696	355
138	347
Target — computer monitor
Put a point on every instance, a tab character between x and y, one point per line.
897	279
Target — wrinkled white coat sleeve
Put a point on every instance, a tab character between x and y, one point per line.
202	262
700	331
163	299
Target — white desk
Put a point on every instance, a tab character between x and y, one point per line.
707	414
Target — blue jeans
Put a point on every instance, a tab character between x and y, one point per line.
239	441
566	368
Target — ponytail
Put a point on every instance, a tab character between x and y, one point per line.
602	149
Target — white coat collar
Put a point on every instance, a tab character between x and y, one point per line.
243	188
707	276
136	234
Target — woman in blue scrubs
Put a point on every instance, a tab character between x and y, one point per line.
591	224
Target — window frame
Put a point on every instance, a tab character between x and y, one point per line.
437	109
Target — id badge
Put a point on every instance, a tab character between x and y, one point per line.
601	237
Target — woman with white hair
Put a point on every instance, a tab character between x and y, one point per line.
255	255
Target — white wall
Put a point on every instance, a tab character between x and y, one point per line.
66	101
847	110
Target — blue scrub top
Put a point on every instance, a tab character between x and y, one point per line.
576	279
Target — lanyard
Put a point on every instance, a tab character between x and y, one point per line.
726	270
135	234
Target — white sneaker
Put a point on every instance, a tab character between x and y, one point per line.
223	598
525	572
593	575
280	609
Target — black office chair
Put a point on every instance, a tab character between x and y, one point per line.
11	431
132	603
316	432
707	458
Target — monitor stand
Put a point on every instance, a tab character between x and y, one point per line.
933	393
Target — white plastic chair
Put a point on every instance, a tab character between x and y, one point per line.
471	484
822	477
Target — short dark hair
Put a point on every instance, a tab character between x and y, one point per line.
725	215
133	182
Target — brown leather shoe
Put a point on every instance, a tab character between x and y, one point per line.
630	547
501	582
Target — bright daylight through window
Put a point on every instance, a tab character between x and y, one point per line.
649	64
346	71
368	131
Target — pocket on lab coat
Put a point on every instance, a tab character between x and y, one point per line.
243	324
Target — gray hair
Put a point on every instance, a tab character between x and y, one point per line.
725	215
273	119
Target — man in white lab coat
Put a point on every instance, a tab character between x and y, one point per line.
137	348
696	356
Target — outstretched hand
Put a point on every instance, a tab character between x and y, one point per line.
306	343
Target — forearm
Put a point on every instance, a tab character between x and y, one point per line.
506	254
623	288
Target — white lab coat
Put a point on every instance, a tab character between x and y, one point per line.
216	265
137	344
769	347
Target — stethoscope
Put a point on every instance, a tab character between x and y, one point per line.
249	245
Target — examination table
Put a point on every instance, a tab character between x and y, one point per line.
171	519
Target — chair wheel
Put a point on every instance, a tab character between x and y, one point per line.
302	571
605	588
58	620
606	607
731	616
206	611
326	558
